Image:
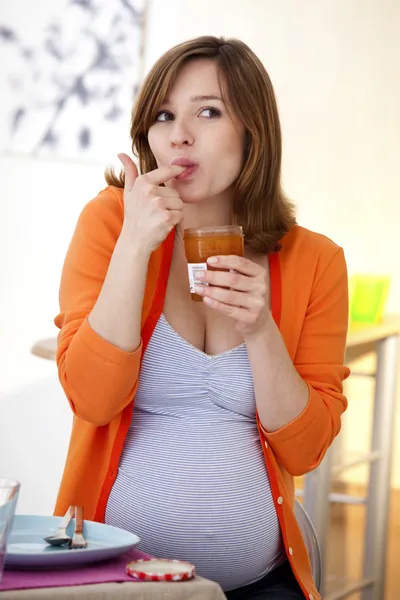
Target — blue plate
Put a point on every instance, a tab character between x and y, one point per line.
26	547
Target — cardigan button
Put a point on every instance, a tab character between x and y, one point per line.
290	550
266	444
280	500
310	597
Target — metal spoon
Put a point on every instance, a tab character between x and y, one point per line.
61	537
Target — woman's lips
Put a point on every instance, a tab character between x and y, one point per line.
191	168
187	173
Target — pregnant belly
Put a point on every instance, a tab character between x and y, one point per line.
199	492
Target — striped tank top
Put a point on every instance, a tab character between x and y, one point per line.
192	482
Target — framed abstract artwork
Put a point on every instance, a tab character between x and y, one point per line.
69	74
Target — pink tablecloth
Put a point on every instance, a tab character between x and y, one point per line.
102	572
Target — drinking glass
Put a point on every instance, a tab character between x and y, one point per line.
9	490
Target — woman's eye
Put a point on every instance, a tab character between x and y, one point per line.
164	116
211	113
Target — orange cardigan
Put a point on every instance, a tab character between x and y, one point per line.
309	304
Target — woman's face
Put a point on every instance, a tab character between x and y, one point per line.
193	127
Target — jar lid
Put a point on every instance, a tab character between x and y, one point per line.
160	569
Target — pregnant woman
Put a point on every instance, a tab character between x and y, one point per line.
191	418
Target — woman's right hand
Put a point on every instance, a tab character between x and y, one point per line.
151	211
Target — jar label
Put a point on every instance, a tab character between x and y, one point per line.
194	268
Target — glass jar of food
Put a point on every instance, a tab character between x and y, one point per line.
203	242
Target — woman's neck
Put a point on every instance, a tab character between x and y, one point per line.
208	213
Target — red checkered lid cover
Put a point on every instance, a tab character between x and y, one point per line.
160	569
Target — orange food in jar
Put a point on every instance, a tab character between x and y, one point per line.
204	242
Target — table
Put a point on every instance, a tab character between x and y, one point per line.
196	589
45	348
383	338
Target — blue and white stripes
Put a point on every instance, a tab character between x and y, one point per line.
192	481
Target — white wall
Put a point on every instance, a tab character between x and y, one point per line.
40	202
332	63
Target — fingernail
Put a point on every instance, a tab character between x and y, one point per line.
199	290
212	260
199	274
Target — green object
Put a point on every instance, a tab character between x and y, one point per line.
368	295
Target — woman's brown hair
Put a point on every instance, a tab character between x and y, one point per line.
260	205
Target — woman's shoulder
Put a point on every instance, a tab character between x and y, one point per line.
308	240
103	215
108	201
301	245
307	257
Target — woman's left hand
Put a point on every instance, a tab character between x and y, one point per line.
240	292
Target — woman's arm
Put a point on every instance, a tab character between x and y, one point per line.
150	212
99	366
102	291
301	444
299	405
116	316
281	394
